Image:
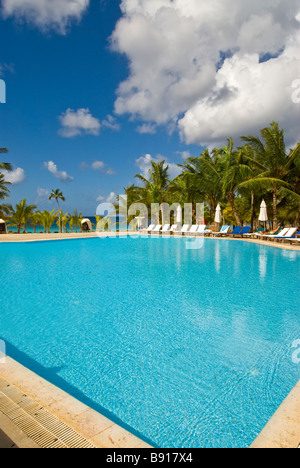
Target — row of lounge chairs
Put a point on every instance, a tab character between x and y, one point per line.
287	234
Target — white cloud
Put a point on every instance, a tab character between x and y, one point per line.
111	123
176	53
111	198
14	177
144	164
46	14
60	175
42	193
149	129
80	122
97	166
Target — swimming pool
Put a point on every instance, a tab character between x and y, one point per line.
187	348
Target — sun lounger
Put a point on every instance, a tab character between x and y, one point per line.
193	230
174	228
185	229
256	233
224	230
289	235
201	230
166	229
151	227
237	230
157	228
282	233
244	231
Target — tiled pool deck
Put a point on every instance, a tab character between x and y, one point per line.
48	417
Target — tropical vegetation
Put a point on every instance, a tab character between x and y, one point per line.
236	177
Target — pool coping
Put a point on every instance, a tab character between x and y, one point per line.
283	429
91	425
23	238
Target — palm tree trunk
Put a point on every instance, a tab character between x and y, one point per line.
231	199
60	229
252	211
275	216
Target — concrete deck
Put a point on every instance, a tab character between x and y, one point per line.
64	236
36	414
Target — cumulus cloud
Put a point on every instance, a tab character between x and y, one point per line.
111	198
60	175
213	69
97	166
111	123
46	14
15	177
80	122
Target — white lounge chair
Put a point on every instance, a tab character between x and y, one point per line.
157	228
193	230
201	230
151	227
185	229
280	234
174	228
166	229
224	230
289	235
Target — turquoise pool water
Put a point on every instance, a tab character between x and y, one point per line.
186	348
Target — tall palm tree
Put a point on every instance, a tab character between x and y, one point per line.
275	166
58	195
154	189
204	178
21	214
236	170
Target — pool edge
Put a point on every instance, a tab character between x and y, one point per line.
93	426
283	429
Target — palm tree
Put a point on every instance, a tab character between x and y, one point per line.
5	166
204	178
63	220
154	190
75	219
58	195
4	191
35	220
275	166
235	171
47	219
20	215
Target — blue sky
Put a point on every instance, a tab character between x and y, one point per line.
48	73
69	124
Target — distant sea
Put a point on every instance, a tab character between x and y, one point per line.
55	228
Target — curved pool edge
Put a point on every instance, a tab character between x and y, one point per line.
283	429
33	238
91	425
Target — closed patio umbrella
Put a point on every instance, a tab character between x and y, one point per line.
218	216
263	215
